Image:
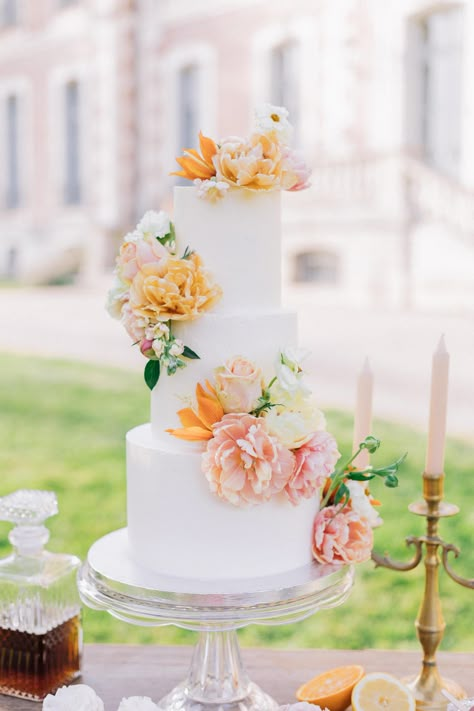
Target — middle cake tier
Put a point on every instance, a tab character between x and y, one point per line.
258	336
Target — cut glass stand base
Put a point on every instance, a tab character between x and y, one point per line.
110	580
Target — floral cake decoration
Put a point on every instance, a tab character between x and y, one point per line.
155	286
263	161
268	439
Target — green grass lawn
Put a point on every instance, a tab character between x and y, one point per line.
62	427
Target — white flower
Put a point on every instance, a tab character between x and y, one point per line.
163	329
137	703
289	371
294	423
133	236
73	698
158	346
360	503
177	348
116	297
211	189
269	118
154	224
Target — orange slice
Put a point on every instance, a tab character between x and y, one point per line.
379	691
332	688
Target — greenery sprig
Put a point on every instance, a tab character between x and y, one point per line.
264	401
339	492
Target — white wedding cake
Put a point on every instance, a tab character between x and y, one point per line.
226	481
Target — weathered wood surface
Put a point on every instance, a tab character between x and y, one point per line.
115	671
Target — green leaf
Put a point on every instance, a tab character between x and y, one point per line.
188	353
188	252
152	373
342	493
357	476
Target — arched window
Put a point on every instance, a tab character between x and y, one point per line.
72	168
284	78
317	266
12	196
9	12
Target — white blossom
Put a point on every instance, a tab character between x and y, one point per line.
154	224
133	236
288	369
158	346
137	703
211	189
116	297
270	118
177	348
360	503
78	697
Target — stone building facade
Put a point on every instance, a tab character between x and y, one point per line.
98	96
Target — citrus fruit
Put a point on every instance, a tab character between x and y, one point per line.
332	688
382	692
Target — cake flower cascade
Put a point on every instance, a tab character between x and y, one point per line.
269	439
263	161
154	286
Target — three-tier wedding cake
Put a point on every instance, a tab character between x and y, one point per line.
226	480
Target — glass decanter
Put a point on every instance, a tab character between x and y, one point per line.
40	626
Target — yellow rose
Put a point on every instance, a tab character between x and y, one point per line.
178	289
254	164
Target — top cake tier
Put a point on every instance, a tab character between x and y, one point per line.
239	240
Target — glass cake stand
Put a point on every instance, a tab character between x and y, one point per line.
110	580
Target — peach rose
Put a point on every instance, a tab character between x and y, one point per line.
314	463
341	536
135	254
243	463
295	173
177	289
239	385
252	164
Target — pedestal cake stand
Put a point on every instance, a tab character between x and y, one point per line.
110	580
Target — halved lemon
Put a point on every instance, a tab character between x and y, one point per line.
379	691
333	688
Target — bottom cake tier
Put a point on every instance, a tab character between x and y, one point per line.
178	527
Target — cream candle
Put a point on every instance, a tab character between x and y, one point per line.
438	410
363	413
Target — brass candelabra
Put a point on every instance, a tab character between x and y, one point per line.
430	624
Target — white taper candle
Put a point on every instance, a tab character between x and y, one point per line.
438	410
363	413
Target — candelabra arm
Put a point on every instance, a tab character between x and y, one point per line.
384	561
450	548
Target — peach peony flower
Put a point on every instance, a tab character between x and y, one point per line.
177	289
135	254
341	536
254	164
243	463
314	463
239	385
198	166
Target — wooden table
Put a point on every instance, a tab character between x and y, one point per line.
115	671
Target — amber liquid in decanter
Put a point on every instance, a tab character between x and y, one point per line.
32	665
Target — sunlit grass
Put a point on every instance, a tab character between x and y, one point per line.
62	427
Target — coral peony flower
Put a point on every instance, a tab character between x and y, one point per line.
198	166
254	164
341	536
177	289
239	385
243	463
295	172
197	423
314	463
79	697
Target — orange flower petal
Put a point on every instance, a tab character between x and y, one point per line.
191	434
208	147
188	418
210	410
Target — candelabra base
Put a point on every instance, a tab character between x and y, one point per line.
427	691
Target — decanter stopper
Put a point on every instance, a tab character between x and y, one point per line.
28	509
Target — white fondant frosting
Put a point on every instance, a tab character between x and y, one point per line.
176	526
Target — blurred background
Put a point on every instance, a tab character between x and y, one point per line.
97	97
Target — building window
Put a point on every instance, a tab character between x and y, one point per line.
72	186
9	12
435	49
12	197
284	79
317	267
188	109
